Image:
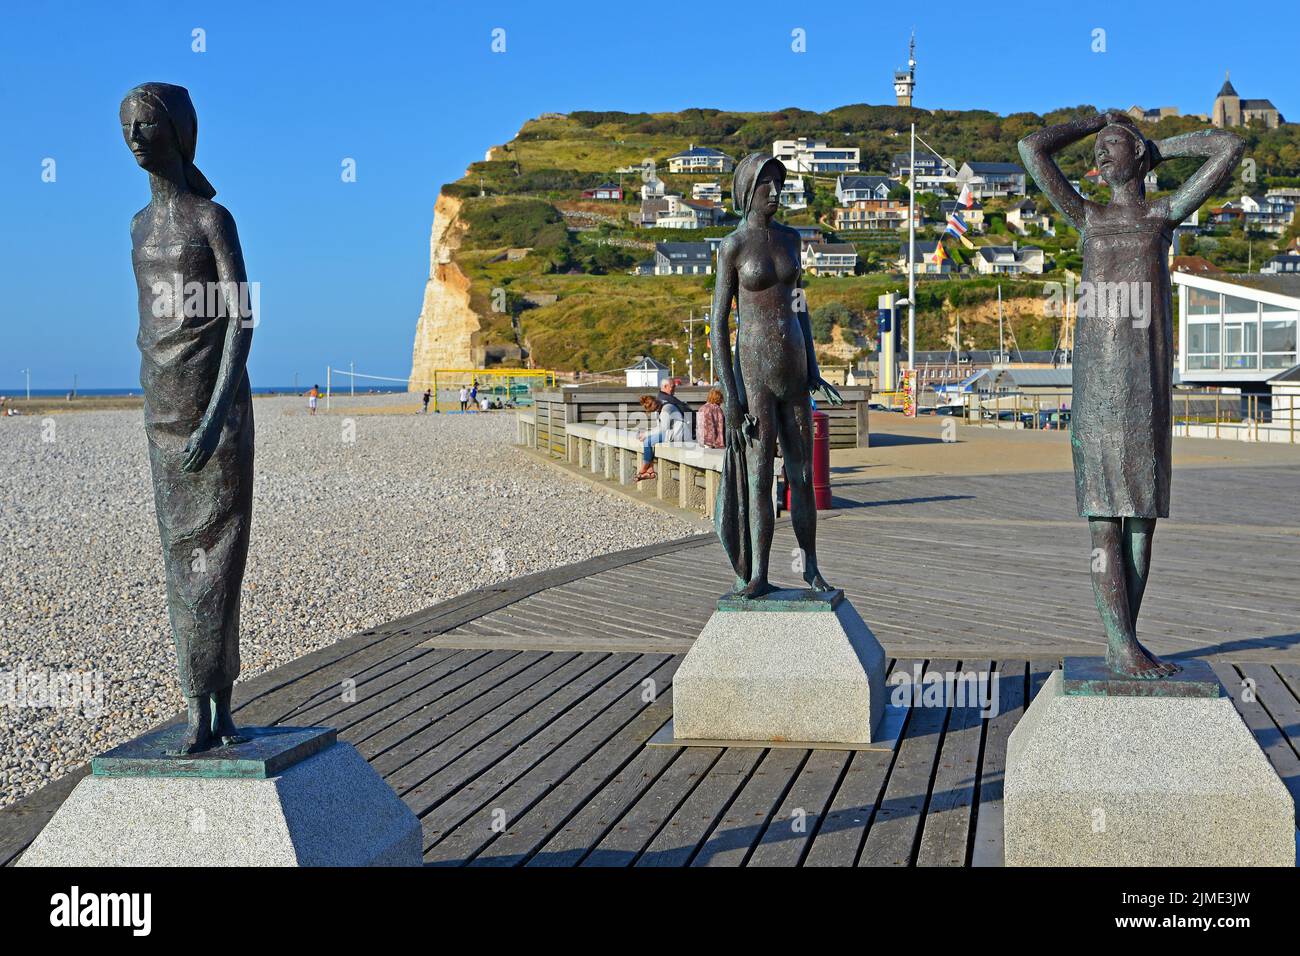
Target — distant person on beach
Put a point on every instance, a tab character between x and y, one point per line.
484	403
427	395
473	394
668	428
464	397
312	395
711	421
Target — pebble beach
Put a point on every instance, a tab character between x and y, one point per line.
361	515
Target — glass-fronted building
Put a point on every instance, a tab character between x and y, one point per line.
1236	330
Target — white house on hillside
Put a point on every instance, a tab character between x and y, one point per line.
793	196
933	173
710	191
683	258
1012	260
923	259
700	159
992	180
809	155
854	188
1026	213
830	258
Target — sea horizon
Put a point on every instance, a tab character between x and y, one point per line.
21	390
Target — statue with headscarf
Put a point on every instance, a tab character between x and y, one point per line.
766	380
1121	407
196	325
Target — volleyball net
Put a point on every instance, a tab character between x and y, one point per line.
509	386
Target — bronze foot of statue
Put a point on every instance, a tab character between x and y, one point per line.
1133	660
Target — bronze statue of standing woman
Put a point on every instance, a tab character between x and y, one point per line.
195	330
1121	409
766	382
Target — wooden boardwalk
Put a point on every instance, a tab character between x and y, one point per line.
514	719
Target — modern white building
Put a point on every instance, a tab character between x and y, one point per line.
1237	330
808	155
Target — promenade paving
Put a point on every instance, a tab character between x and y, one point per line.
535	698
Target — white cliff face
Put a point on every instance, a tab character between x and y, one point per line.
448	332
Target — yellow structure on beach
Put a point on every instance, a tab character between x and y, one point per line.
496	377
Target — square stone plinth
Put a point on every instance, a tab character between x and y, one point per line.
327	809
794	665
1114	780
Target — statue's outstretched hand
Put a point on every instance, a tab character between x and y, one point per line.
831	393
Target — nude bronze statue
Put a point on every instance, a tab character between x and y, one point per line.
1121	415
195	330
766	382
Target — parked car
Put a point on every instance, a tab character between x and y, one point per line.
1047	418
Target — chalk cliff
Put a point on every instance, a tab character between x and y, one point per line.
448	332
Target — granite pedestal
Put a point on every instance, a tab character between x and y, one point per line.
1109	772
794	665
287	797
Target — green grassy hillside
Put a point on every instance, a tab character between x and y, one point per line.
572	303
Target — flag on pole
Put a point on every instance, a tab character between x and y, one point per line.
966	199
940	253
957	229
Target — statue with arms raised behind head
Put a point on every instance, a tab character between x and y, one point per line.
1121	409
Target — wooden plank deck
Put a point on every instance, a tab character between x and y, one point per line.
514	719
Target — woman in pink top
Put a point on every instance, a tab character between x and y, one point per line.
711	420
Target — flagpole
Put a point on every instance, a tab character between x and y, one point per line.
911	256
1002	352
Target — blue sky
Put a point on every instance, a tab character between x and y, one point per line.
412	91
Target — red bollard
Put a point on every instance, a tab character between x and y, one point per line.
822	460
821	463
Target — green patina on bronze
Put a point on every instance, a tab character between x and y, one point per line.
268	752
784	599
1092	677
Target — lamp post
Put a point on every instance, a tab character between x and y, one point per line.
911	256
